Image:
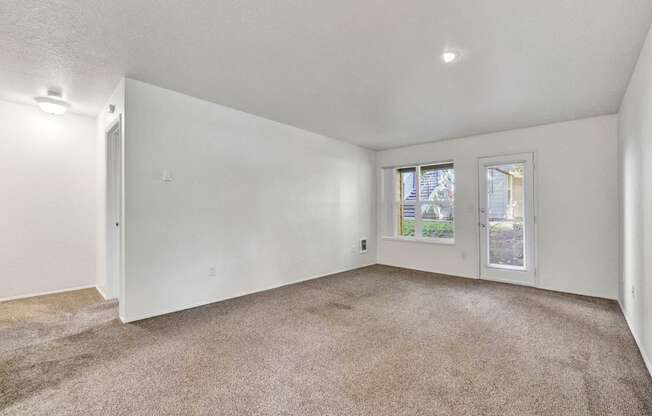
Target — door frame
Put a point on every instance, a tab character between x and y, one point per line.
114	266
529	277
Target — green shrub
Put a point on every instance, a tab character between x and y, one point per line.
437	229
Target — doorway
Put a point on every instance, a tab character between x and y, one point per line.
114	207
506	210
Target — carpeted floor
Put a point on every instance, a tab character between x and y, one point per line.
374	341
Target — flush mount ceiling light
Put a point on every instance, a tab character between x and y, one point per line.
52	103
448	56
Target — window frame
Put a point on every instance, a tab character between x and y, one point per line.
418	203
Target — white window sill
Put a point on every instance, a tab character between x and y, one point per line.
443	241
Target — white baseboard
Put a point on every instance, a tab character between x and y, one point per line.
127	319
99	289
475	277
418	269
646	360
52	292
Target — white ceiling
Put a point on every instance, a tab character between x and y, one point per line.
368	72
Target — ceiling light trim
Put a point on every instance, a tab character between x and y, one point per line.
53	103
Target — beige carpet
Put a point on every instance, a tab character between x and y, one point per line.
375	341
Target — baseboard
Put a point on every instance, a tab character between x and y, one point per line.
475	277
128	319
416	269
99	289
568	292
647	362
52	292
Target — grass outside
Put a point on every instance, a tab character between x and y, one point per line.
506	243
505	238
430	228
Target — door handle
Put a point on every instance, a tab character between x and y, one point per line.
117	224
482	225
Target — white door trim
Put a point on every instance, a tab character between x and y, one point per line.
114	239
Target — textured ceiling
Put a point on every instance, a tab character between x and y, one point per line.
364	71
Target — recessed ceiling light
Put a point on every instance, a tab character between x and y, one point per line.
448	57
52	103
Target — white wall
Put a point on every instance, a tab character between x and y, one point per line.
635	152
47	214
263	203
104	121
576	190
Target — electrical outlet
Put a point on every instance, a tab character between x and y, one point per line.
211	272
166	175
363	245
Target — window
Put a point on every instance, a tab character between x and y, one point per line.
505	216
425	202
407	190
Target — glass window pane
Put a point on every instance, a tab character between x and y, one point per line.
406	219
437	221
437	188
437	183
407	185
505	214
